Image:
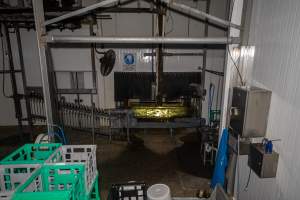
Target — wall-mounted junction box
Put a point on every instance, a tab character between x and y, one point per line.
244	144
249	111
263	164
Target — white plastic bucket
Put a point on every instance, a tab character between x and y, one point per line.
159	192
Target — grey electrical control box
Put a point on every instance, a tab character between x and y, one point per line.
263	164
250	111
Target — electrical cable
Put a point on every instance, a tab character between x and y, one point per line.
59	137
101	34
237	68
170	17
248	181
98	52
234	63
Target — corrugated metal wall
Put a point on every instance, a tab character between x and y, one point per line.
275	32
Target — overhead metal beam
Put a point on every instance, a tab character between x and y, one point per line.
58	12
76	91
8	71
141	40
81	11
175	54
127	10
198	13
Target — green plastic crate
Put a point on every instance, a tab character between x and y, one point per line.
73	154
94	193
31	154
58	195
54	182
57	182
12	176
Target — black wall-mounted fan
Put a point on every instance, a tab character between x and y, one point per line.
107	62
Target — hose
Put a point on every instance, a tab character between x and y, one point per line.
210	100
61	131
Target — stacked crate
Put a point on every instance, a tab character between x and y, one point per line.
12	176
18	166
74	154
50	172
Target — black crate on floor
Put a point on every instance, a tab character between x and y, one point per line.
128	191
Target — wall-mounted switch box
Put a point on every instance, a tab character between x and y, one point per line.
244	145
249	111
263	164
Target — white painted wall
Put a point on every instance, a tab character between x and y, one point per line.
275	34
120	25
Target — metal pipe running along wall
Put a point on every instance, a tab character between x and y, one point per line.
195	12
141	40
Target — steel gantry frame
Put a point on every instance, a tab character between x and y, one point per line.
17	95
43	39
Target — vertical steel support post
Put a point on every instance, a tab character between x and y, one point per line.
22	66
128	126
93	118
16	97
204	63
39	18
92	20
93	77
160	58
